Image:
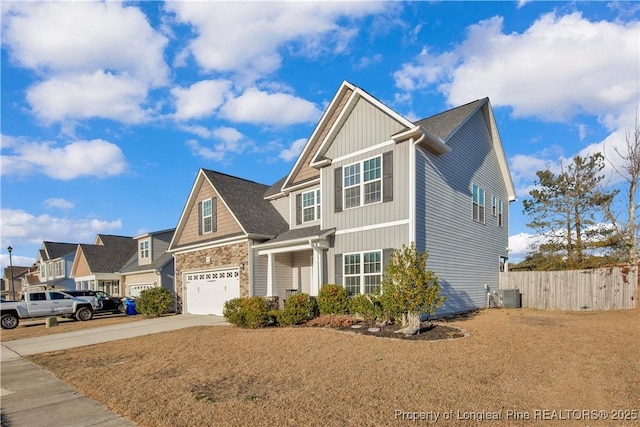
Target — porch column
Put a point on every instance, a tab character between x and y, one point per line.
271	275
316	270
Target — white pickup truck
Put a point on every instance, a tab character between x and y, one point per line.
45	304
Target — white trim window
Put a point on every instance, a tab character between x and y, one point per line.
366	188
311	206
207	216
494	206
144	249
363	272
500	212
478	204
60	268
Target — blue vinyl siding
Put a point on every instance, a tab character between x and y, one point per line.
463	253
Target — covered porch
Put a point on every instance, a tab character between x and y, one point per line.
295	261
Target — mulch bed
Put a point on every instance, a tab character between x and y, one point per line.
428	331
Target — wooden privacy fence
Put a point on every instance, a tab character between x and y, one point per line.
575	290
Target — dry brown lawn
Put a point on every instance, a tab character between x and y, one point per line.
37	328
514	360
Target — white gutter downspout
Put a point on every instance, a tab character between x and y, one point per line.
412	188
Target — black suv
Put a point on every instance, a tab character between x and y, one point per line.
107	302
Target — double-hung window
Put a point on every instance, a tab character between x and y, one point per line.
144	249
311	206
207	216
500	208
363	182
478	204
363	272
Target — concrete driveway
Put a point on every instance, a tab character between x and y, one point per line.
32	397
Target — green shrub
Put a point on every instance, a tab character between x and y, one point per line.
232	311
333	299
247	312
273	317
366	307
154	302
298	308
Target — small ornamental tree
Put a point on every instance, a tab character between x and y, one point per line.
154	302
409	289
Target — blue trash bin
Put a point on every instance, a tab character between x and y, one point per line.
130	307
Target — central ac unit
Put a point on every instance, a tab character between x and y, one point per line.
510	298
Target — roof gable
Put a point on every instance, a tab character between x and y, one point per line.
359	95
243	202
443	126
302	170
108	257
53	250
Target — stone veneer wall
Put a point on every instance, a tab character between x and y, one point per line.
221	257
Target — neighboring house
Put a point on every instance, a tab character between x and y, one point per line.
97	267
151	266
367	181
54	261
12	287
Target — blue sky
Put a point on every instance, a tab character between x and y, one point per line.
109	109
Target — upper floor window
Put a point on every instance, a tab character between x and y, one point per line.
144	249
311	206
363	188
207	216
500	216
363	272
478	204
494	206
60	268
43	270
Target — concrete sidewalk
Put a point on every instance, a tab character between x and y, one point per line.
34	397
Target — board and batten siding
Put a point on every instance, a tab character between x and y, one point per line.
365	127
282	206
226	224
375	213
364	241
306	172
464	254
294	200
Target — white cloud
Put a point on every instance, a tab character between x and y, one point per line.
58	203
97	158
205	152
201	99
93	59
85	96
307	28
277	109
292	152
520	245
21	228
558	67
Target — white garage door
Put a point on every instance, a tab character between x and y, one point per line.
207	291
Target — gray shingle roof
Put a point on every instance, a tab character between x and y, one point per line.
276	188
54	250
444	124
132	265
246	200
111	256
299	233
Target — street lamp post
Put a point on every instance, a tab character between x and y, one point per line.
13	289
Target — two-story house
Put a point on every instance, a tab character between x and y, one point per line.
97	267
54	261
368	181
151	266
